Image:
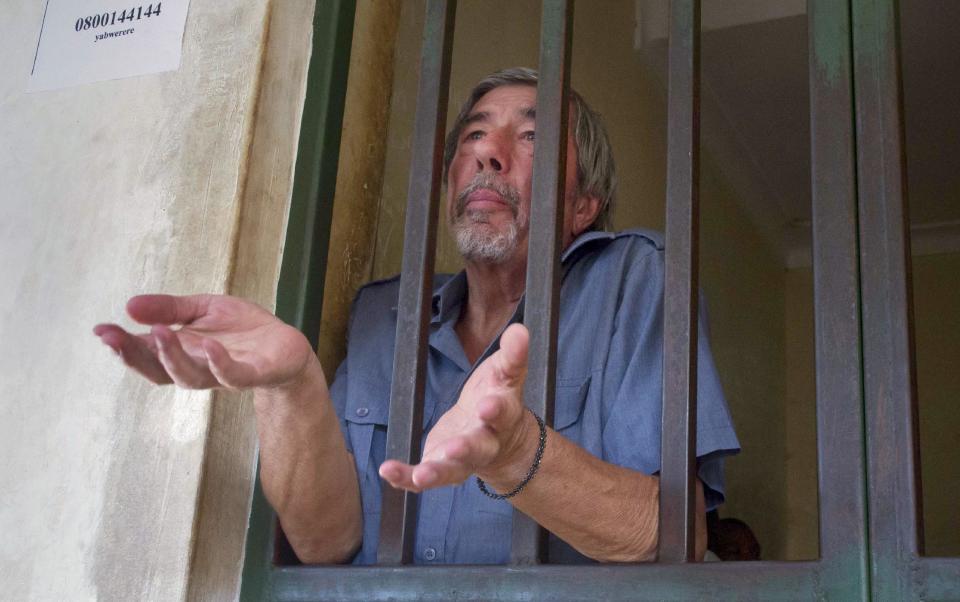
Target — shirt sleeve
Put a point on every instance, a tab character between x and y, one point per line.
338	395
339	389
633	385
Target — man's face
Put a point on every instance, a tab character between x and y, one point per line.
489	181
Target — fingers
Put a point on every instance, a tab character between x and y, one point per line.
416	478
428	475
497	413
161	359
448	464
494	405
186	371
399	475
137	352
511	359
167	309
225	369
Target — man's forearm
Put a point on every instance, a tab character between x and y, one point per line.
306	472
607	512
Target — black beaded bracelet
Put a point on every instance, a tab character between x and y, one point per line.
533	468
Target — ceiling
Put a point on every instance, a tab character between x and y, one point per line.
755	112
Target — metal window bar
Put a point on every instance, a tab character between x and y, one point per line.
898	570
843	543
542	295
399	510
842	570
889	377
678	438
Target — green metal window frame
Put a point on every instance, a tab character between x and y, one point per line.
863	324
300	287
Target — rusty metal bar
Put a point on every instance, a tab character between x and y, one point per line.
399	509
679	447
556	583
542	296
840	439
935	579
889	367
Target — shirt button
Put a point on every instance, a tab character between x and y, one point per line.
429	553
361	412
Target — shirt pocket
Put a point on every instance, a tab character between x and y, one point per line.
366	426
571	394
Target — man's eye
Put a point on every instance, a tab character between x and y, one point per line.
530	136
475	135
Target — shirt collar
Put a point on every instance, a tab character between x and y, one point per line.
583	240
449	296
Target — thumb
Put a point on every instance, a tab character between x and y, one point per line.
512	357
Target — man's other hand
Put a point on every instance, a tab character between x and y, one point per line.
487	431
221	342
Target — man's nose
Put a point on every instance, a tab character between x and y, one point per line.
493	153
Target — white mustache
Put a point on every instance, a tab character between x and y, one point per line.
488	181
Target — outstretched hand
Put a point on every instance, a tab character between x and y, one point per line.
222	342
486	431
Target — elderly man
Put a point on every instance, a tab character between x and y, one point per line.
590	479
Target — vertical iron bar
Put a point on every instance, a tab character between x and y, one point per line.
543	263
399	509
889	367
840	438
679	446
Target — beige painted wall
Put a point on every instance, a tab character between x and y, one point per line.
803	539
739	269
112	189
936	294
363	147
742	280
936	297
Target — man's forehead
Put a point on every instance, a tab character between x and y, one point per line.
524	112
519	99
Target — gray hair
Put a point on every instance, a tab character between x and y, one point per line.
596	173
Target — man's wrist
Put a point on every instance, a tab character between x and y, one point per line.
295	394
298	412
505	474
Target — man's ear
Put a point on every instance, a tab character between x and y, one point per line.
585	211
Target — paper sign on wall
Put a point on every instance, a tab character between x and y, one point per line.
98	40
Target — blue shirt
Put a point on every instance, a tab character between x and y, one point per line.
608	391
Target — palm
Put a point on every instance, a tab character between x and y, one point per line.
249	333
223	341
454	423
483	430
484	383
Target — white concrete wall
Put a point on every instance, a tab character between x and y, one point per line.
109	190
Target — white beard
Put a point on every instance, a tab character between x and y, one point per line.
479	241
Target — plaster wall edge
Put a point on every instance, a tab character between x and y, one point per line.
264	190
